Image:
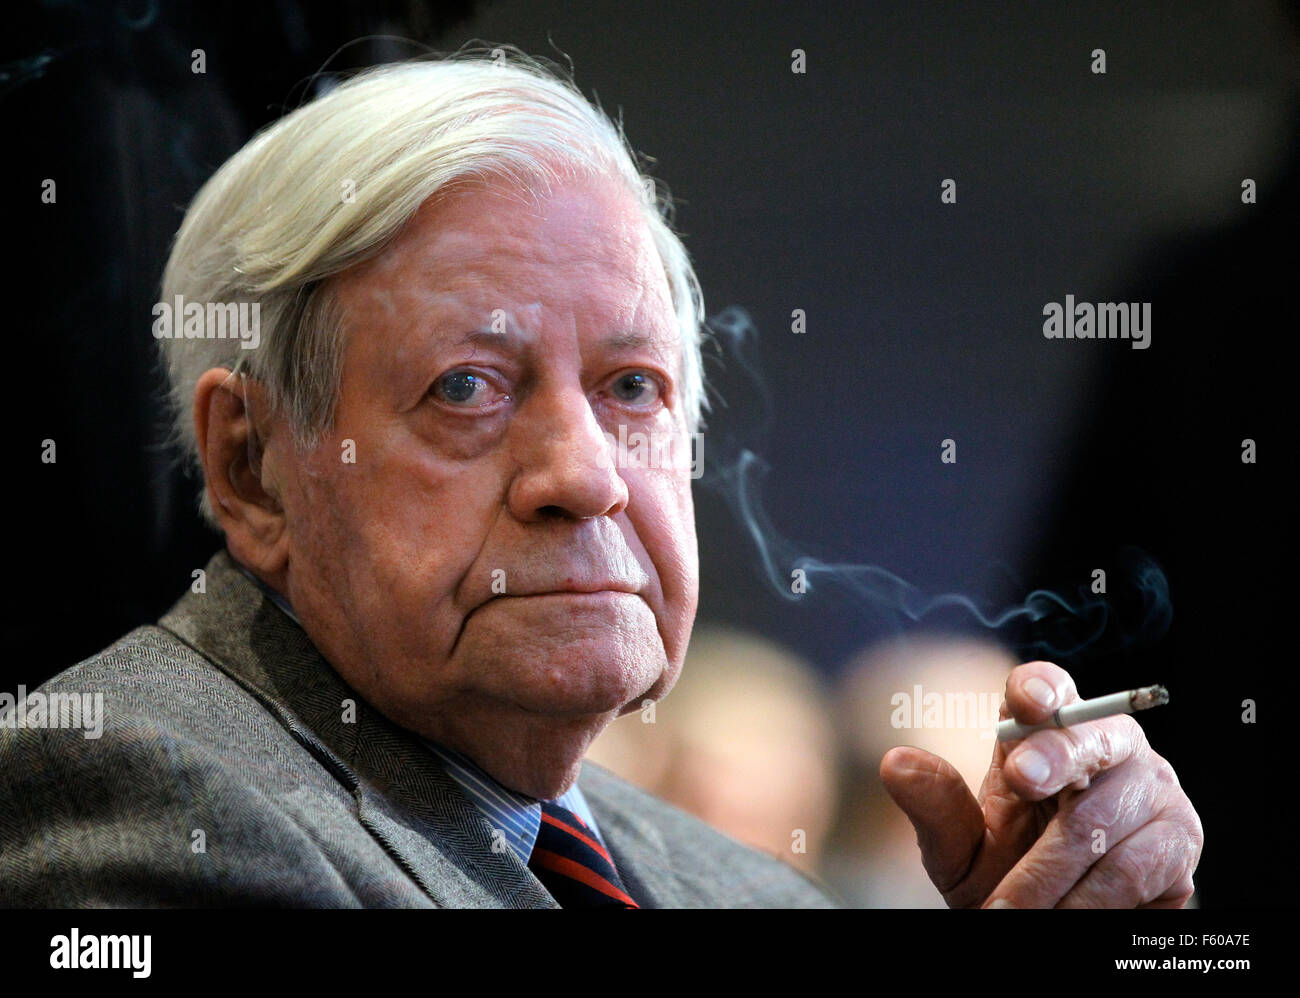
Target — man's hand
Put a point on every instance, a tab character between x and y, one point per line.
1081	817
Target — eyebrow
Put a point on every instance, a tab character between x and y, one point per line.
626	341
487	337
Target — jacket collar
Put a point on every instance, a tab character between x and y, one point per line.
404	797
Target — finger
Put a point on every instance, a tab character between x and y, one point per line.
1175	900
1048	761
1151	867
1088	827
948	821
1035	690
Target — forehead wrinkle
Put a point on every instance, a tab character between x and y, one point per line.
466	273
512	340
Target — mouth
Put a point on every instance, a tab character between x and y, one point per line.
578	597
570	587
579	593
575	591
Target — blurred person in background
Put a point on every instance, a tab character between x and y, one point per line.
746	742
871	855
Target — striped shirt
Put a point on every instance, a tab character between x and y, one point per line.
514	816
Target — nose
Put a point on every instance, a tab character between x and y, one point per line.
565	468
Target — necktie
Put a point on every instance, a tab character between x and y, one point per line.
572	864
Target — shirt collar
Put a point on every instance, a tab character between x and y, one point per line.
271	594
515	818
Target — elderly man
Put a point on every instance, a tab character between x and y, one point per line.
444	573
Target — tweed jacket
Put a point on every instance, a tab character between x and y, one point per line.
235	767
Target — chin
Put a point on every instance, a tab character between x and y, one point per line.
548	785
560	656
574	689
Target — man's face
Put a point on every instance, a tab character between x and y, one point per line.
479	573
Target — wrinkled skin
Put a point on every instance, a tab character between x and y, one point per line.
479	574
1030	840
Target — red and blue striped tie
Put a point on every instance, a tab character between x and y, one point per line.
572	864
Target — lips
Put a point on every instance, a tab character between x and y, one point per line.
568	586
561	585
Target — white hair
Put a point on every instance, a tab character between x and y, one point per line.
272	224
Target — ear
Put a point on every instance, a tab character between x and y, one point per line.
246	501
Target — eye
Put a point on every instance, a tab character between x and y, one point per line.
636	387
463	389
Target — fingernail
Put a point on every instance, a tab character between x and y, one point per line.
1040	691
1033	766
1001	903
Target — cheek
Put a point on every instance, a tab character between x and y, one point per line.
317	506
662	512
397	529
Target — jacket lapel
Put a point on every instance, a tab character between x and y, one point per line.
404	798
637	846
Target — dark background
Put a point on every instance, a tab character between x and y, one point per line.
817	191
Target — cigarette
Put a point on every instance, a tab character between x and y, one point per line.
1127	702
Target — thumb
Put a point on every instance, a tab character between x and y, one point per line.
948	819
